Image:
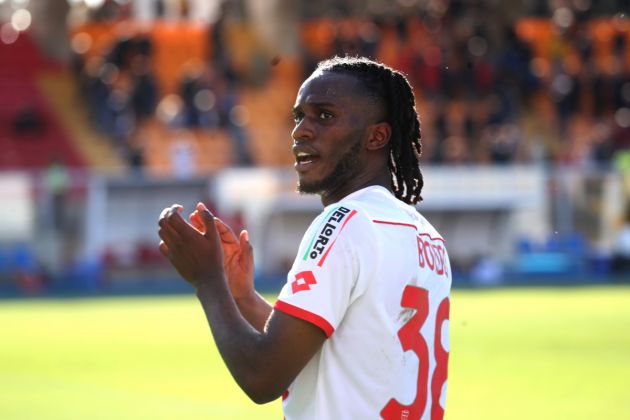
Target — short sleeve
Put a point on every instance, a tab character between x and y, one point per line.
332	268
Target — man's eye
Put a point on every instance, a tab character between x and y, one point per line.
325	115
297	117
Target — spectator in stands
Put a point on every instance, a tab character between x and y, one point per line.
135	155
232	119
503	143
221	58
144	91
159	8
110	10
621	79
99	77
119	102
190	86
122	53
601	144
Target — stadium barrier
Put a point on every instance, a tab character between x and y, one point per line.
500	223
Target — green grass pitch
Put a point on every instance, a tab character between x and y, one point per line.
516	354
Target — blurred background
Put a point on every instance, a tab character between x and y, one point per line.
112	110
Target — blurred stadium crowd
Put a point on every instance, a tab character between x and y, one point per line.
183	93
553	86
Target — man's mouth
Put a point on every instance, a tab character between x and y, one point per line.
304	160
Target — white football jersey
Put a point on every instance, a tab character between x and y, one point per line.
374	275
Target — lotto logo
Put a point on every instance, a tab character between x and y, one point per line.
303	281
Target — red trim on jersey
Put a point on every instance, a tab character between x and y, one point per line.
285	395
305	315
432	238
385	222
321	262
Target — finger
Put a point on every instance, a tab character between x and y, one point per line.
226	233
201	207
195	220
167	233
168	211
177	222
173	209
208	220
245	245
244	237
163	249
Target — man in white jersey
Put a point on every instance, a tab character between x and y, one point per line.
360	330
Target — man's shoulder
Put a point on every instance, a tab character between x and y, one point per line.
379	204
372	202
381	208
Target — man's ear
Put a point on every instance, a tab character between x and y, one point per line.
379	135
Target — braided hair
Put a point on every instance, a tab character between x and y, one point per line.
392	90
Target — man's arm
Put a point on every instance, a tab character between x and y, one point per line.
238	265
263	362
255	309
238	262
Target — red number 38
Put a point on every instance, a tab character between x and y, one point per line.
411	340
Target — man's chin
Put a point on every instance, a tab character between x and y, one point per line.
306	188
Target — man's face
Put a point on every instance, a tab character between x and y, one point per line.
331	117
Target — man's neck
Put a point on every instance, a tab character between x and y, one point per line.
337	195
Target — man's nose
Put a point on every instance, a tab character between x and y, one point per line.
303	130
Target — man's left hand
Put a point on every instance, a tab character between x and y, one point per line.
196	255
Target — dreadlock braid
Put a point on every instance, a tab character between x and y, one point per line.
392	90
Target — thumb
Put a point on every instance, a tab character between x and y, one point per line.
245	245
